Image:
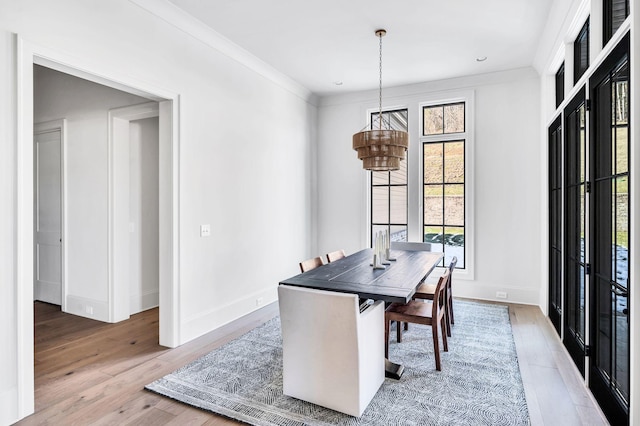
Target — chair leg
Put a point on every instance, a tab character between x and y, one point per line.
451	310
406	326
447	319
386	338
399	331
443	323
436	345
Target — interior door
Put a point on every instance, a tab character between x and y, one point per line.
48	216
575	267
555	224
609	282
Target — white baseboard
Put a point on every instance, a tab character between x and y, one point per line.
144	301
88	308
514	294
205	322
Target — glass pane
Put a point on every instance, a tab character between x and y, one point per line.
603	255
433	122
614	229
433	205
622	354
434	236
433	162
454	245
560	85
581	52
399	177
622	229
374	231
582	224
604	325
398	206
583	150
558	198
380	178
621	142
454	162
454	205
380	204
454	118
581	305
398	233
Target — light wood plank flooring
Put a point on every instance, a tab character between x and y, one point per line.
88	372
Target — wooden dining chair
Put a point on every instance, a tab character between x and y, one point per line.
335	255
310	264
421	312
427	291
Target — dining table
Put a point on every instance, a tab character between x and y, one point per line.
355	274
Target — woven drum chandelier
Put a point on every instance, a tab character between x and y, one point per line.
381	149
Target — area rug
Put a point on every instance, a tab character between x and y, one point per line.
479	384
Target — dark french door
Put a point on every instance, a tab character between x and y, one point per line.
575	265
589	269
555	224
609	249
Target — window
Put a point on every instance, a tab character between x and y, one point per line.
581	53
389	189
560	85
615	12
443	142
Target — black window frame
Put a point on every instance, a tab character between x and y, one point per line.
443	139
388	224
560	85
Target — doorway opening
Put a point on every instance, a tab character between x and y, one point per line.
168	237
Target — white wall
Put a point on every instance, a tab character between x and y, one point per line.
85	106
143	208
506	178
244	159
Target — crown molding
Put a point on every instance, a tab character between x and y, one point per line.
197	29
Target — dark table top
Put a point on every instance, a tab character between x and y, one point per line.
354	274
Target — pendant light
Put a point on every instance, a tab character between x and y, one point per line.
381	149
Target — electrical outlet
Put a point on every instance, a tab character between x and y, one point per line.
259	301
501	294
88	310
205	230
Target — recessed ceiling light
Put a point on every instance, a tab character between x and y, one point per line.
481	58
337	83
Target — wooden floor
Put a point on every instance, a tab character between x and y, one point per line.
88	372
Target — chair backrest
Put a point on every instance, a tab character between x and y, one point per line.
453	263
410	246
335	255
452	266
310	264
440	294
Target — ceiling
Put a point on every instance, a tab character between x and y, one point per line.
322	43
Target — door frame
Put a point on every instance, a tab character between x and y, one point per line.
576	350
49	126
556	317
28	54
610	405
119	250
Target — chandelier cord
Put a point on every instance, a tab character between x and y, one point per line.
380	91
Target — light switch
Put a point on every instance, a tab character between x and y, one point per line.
205	230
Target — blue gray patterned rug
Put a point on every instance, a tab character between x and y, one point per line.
479	384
